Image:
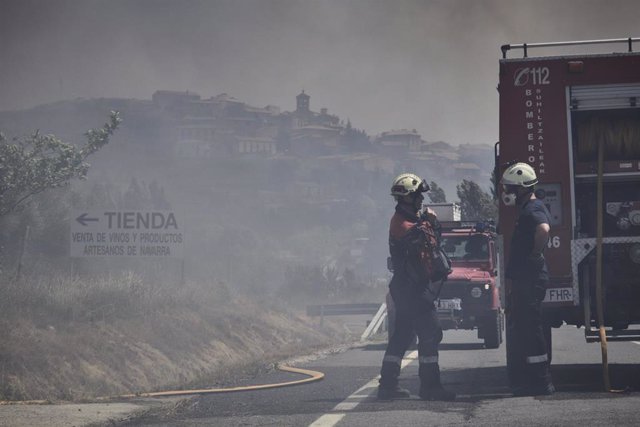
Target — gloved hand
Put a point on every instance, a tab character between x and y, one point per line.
429	215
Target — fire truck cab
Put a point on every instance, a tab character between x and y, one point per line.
576	120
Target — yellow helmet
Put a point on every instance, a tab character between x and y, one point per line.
520	174
408	183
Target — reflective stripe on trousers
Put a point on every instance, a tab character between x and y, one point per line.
392	359
428	359
537	359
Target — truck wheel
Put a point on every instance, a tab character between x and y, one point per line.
493	330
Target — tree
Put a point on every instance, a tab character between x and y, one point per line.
436	194
355	139
475	203
31	165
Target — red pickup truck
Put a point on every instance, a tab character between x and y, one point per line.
470	298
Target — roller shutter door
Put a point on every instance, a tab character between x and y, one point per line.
605	97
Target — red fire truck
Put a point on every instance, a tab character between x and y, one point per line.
576	120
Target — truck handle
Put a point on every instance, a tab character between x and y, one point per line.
496	165
524	46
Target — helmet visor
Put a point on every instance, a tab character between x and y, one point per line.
423	187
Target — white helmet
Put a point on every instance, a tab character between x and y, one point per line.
520	174
406	184
517	175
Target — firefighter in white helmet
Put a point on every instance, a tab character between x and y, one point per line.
527	270
411	234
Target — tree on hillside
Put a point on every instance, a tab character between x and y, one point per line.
475	204
355	139
33	164
436	194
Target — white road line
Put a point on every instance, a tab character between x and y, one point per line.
636	342
328	420
348	404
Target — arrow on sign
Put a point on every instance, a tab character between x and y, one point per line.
82	219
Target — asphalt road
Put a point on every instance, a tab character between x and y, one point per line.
346	397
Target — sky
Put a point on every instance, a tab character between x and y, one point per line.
383	64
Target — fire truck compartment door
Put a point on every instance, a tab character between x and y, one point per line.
604	97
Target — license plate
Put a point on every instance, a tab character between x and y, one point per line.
449	304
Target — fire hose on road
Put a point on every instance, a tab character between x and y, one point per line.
599	254
599	232
312	377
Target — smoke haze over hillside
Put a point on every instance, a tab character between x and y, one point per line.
428	65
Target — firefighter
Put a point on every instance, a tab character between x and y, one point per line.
527	270
413	299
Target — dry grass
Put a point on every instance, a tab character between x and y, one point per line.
62	298
68	338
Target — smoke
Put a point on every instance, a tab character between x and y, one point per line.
425	65
428	65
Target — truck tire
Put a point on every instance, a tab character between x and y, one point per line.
493	329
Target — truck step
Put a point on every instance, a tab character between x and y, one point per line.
593	334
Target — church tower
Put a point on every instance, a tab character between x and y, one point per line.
302	103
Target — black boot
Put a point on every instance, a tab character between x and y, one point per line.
540	382
389	388
390	393
430	385
534	390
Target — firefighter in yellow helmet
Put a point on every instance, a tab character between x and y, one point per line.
527	270
411	233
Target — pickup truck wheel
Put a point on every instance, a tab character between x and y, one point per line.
493	329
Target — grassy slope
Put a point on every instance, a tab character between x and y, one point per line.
168	348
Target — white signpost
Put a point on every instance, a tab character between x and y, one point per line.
143	234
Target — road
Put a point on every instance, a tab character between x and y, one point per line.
346	397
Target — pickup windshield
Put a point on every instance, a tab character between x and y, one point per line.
466	248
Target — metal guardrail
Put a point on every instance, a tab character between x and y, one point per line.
376	323
377	310
342	309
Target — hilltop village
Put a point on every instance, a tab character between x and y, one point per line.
224	126
188	126
235	171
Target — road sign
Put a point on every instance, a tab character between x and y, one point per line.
143	234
